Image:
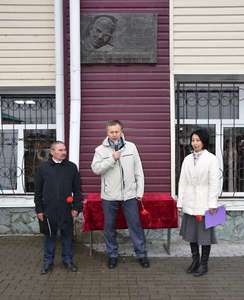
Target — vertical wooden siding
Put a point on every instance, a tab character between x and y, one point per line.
208	36
136	94
27	43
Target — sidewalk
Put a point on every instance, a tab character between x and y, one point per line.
179	249
165	280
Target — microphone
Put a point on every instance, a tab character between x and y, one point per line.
116	147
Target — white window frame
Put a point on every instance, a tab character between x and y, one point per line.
20	151
17	198
219	140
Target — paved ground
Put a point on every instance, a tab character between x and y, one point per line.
179	249
20	259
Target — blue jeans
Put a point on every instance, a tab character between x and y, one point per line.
131	213
50	246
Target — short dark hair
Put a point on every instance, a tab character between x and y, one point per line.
115	122
56	143
203	135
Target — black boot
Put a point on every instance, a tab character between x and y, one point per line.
195	258
203	269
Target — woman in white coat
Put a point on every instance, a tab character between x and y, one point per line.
199	188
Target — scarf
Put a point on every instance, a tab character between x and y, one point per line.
116	146
196	156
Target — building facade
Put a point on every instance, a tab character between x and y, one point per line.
196	81
207	72
27	103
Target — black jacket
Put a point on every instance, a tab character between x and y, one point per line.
54	182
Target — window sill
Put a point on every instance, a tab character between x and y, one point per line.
16	201
231	204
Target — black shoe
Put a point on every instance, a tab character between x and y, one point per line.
144	262
194	265
202	270
112	262
46	268
71	267
195	259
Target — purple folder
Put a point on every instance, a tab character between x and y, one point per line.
219	218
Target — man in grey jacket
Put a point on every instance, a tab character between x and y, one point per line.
122	183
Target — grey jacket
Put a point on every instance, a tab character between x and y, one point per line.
122	179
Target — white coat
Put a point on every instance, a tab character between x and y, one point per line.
121	179
200	184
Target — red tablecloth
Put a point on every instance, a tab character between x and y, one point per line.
161	212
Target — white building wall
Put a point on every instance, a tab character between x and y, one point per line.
27	43
208	36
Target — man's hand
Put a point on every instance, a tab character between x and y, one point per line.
139	198
74	213
116	155
40	216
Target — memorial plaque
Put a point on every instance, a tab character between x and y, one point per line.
119	38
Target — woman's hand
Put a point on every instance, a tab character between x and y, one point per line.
212	210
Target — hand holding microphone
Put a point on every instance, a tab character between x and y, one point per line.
116	152
116	155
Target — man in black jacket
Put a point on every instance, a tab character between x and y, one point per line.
57	183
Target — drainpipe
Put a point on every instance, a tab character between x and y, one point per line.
75	89
172	99
59	63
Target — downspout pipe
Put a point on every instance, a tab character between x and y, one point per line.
75	84
59	70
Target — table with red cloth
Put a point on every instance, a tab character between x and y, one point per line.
157	211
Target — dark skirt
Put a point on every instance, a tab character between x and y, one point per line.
194	231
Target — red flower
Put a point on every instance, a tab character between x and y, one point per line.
69	199
146	216
144	212
199	218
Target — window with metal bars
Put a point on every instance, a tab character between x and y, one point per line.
27	128
218	107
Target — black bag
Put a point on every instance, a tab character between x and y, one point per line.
44	226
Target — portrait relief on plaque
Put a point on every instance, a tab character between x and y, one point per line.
118	38
99	33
